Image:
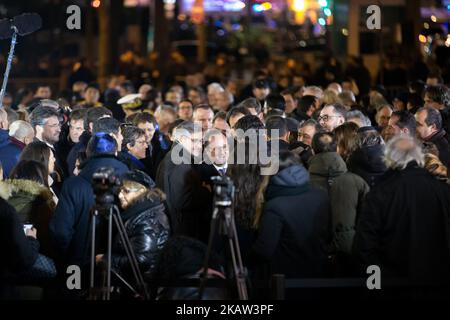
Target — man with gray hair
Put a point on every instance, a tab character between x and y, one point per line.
182	184
20	134
224	100
358	118
45	121
403	227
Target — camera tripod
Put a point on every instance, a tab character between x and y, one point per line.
111	213
223	217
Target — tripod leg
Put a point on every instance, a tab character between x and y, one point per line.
108	264
93	222
212	232
130	253
236	257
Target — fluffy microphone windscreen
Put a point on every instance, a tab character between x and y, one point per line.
5	29
27	23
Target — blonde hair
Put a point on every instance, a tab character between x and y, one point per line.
436	167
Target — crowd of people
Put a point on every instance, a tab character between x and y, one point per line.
362	180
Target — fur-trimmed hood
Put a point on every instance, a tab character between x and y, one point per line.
9	188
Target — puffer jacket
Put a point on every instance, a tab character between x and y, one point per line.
147	227
34	204
346	191
367	162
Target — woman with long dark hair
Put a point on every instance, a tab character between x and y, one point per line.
41	152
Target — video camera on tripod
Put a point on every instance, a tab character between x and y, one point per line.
223	190
222	221
106	186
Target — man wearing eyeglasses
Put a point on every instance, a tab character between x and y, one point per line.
332	116
45	121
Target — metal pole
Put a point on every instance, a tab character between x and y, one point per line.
8	66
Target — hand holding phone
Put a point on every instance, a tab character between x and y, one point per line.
29	230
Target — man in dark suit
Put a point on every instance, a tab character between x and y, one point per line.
182	183
216	160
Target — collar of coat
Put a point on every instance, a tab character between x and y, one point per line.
11	186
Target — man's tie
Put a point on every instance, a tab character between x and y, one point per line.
221	171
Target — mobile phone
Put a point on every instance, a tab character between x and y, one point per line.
26	227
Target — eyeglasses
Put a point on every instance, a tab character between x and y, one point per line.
56	125
141	142
326	117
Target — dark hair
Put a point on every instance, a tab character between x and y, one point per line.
130	135
37	151
415	100
276	122
101	144
249	122
290	91
438	94
249	184
435	75
143	117
41	114
127	85
203	106
310	122
323	142
251	103
93	114
220	115
30	170
417	87
173	125
288	159
405	120
276	101
236	110
338	108
368	137
305	102
78	114
261	84
107	125
273	113
433	117
186	100
199	90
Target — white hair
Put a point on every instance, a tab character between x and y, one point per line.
401	150
215	86
20	129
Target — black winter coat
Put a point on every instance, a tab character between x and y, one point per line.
294	229
19	252
367	162
404	226
188	210
73	154
148	229
70	225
